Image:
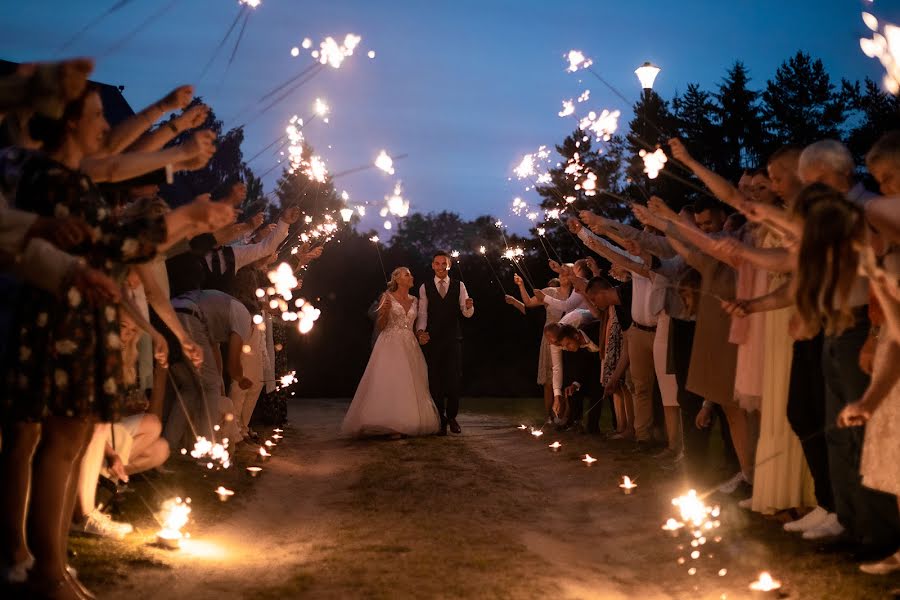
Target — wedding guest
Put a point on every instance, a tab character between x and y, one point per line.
211	318
558	289
832	224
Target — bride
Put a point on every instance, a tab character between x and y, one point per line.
393	397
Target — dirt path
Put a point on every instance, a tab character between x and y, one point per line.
490	514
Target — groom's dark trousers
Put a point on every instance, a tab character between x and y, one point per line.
443	352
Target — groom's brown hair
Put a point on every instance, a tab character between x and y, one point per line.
440	253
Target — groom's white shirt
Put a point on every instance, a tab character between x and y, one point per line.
422	319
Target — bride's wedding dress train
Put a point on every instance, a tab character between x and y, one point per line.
392	396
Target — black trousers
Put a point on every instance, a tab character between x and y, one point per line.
583	366
806	414
870	516
444	358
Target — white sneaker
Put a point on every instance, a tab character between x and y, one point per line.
746	503
732	484
101	524
829	527
811	520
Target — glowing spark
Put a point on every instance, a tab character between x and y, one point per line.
673	527
692	508
282	278
388	225
396	204
371	54
173	515
585	96
483	250
250	3
295	51
603	126
653	162
522	427
374	239
537	433
321	108
316	170
307	43
555	446
765	583
204	448
287	380
333	54
541	231
588	459
385	162
870	21
568	107
577	60
361	210
527	167
532	216
454	254
308	316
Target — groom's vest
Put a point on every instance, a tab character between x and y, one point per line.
443	313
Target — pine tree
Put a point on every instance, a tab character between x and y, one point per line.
878	112
741	138
801	105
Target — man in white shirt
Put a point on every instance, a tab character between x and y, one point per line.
441	302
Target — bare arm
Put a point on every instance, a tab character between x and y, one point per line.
125	133
527	300
688	232
166	132
718	185
776	260
619	258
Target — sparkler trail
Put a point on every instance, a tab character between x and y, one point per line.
221	43
483	252
237	44
366	167
141	26
115	7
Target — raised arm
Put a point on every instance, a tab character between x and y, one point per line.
688	232
718	185
776	260
125	133
120	167
612	253
156	139
528	301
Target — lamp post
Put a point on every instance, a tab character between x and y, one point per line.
646	74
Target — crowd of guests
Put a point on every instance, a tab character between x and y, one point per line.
129	328
772	308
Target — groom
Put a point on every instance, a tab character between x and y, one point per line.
441	302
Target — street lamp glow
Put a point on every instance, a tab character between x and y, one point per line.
647	73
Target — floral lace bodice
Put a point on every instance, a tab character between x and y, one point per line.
397	319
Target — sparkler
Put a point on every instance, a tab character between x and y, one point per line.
174	515
483	251
555	446
588	459
385	162
885	46
287	380
577	60
603	126
653	162
568	108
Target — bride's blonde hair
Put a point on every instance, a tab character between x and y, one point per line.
395	274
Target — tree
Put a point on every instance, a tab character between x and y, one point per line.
801	105
695	116
878	112
741	137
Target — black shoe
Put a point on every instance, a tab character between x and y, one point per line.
743	491
454	426
644	447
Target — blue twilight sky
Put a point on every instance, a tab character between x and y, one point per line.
465	87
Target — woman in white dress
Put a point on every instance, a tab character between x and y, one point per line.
392	397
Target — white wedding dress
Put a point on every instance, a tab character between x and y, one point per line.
392	396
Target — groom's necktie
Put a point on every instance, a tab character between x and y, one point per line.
442	288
